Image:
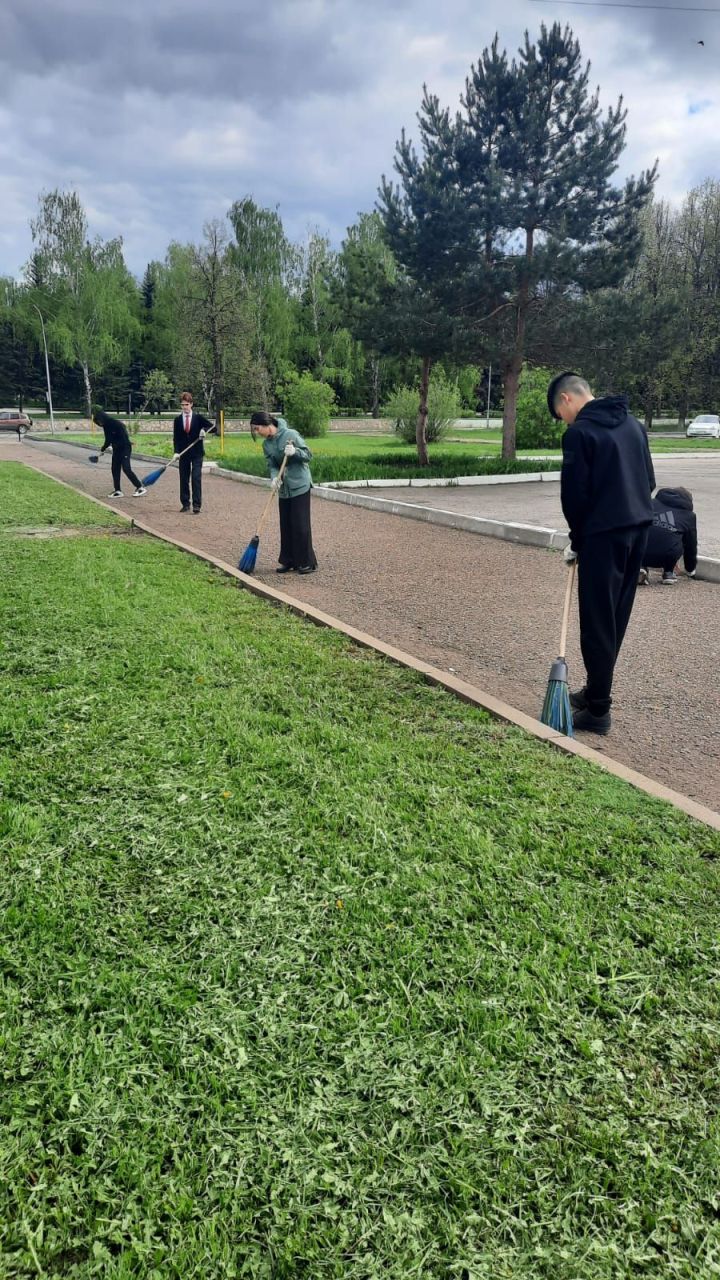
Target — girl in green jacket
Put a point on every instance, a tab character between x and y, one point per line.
280	441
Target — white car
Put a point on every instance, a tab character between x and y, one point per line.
706	424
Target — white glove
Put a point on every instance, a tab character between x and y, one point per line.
275	484
289	449
569	556
175	457
202	433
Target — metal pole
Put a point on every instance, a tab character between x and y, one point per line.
222	433
487	419
47	371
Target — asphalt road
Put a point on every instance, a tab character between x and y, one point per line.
538	502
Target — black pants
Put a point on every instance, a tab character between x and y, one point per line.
608	569
666	563
120	461
191	467
296	548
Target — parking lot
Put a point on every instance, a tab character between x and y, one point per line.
539	502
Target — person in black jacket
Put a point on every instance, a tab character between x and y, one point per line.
190	427
606	484
672	534
117	439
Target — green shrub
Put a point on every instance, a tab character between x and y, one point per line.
308	405
535	427
444	405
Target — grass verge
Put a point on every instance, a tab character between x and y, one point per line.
342	457
30	500
311	971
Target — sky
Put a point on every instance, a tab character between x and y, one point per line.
161	113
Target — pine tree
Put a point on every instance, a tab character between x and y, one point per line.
535	159
424	223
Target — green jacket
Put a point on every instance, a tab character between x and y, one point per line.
297	478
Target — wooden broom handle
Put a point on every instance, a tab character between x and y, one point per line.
268	504
566	610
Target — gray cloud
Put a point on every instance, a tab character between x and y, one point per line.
161	113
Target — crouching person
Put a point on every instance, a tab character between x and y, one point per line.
673	533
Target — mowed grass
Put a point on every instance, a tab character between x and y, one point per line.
341	457
344	457
309	970
33	501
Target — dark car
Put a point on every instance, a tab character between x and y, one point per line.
14	420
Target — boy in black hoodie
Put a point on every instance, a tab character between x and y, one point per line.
117	439
605	486
672	534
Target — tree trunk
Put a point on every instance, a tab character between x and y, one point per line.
375	384
511	382
682	411
421	427
511	377
88	389
648	411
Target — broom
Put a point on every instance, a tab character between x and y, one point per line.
155	475
557	712
246	563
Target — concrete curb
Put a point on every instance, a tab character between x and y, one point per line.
442	482
460	688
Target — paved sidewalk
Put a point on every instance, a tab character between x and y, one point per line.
486	609
539	502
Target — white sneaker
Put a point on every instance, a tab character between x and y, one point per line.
139	492
116	493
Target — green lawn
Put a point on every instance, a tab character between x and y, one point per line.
33	501
345	457
311	971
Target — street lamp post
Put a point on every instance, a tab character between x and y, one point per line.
47	371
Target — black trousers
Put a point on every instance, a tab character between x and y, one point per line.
666	563
120	461
296	548
608	569
191	468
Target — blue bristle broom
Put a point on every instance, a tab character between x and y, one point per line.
557	712
246	563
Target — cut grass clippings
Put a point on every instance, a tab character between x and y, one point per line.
32	500
310	970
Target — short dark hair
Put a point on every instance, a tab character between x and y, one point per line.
187	395
568	382
263	419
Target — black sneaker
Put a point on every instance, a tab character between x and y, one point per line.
578	699
285	568
196	511
585	722
185	511
668	578
307	568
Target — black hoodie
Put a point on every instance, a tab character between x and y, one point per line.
115	431
673	532
607	473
